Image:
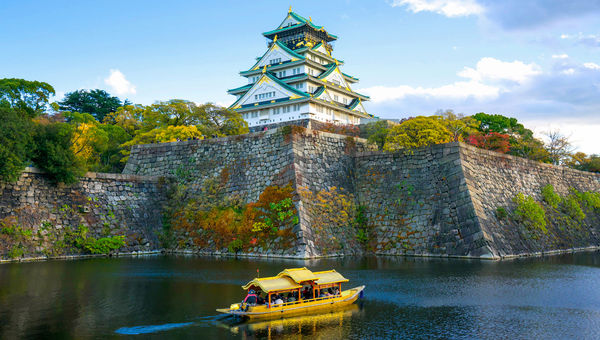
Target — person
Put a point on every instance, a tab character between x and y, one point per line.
290	297
306	293
278	300
336	291
259	299
329	292
251	298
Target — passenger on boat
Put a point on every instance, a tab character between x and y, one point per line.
290	297
306	294
259	299
278	300
330	292
336	291
251	298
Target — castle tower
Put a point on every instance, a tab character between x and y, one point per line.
298	80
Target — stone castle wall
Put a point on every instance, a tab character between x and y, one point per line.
494	179
350	198
418	203
37	213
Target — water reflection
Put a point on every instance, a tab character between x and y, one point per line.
329	325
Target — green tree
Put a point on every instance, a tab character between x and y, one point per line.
29	97
459	126
15	139
53	153
98	103
376	132
416	132
522	142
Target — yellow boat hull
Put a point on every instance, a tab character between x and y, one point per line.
347	297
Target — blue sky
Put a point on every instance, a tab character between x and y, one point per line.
538	61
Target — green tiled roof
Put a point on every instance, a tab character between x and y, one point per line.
284	85
349	76
303	21
282	46
241	88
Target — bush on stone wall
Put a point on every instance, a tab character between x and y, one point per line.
232	225
552	198
529	212
570	206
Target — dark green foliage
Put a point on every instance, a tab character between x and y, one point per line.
529	212
52	153
79	239
501	213
30	97
235	246
98	103
552	198
15	140
377	132
363	234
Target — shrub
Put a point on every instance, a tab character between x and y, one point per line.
590	199
572	208
501	213
552	198
235	245
104	245
529	212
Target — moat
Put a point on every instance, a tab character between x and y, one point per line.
176	297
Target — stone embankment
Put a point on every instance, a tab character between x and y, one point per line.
445	200
35	215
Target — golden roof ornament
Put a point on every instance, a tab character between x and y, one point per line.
290	10
264	69
310	19
275	38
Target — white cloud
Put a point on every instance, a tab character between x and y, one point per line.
592	40
119	84
487	81
560	56
457	90
591	66
566	93
494	70
449	8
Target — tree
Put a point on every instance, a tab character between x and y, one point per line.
15	140
522	142
377	132
52	152
581	161
416	132
459	126
490	141
98	103
30	97
558	146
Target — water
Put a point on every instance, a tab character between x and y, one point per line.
175	297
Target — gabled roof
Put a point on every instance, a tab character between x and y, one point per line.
273	46
272	77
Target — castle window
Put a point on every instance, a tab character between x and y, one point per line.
336	98
275	61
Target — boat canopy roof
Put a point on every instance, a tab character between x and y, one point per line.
330	276
272	284
293	278
299	274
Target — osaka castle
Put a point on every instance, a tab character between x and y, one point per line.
298	80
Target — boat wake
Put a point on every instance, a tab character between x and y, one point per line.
148	329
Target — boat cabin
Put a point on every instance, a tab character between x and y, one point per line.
300	283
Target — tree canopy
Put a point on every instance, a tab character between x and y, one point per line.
31	97
97	103
416	132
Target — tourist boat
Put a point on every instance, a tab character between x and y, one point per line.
296	282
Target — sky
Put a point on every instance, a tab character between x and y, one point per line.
535	60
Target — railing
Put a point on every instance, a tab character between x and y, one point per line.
285	304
